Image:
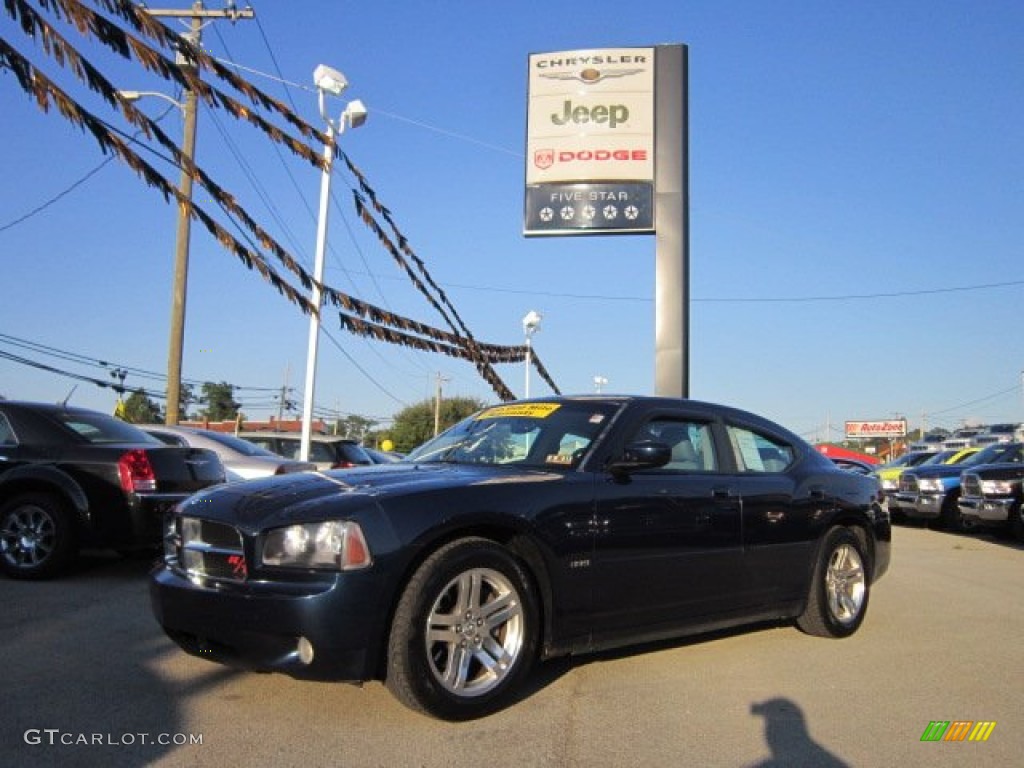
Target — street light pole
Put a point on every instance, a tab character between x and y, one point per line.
316	299
328	81
531	324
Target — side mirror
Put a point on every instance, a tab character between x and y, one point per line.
647	454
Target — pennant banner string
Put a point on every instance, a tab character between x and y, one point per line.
90	23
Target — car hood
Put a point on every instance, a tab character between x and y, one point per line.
312	496
939	470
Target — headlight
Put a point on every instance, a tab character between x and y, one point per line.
889	484
930	484
331	544
997	487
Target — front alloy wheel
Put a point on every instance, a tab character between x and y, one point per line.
464	633
475	632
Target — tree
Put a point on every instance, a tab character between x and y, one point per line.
139	408
220	402
354	427
415	425
186	397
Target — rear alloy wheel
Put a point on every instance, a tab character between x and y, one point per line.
464	633
838	596
37	537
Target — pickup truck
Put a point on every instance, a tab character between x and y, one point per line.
990	497
72	477
931	492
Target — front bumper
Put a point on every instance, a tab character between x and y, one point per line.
321	626
993	512
926	506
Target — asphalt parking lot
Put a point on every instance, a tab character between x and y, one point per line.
89	679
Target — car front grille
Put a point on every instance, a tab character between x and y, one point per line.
970	485
908	483
206	550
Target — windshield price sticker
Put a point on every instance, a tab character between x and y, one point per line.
524	410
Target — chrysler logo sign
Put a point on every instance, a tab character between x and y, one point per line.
590	75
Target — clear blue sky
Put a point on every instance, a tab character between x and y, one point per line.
856	177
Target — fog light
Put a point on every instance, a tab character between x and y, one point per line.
305	649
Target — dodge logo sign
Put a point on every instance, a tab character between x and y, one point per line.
544	158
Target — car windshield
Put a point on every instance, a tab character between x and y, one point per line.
100	428
1000	452
906	460
534	434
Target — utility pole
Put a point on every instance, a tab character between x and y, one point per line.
437	403
176	343
284	396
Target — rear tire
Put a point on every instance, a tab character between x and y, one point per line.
38	537
838	595
465	632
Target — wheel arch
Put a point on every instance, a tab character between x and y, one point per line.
43	479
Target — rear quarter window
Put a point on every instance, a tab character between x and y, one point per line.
756	452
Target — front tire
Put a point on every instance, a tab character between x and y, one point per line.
952	520
38	538
465	632
838	596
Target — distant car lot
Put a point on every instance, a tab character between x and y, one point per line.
770	696
242	459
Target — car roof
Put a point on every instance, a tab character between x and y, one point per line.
295	436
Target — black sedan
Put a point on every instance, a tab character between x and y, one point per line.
71	477
528	531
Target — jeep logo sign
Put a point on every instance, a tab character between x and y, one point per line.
590	120
613	115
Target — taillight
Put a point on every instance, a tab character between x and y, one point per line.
136	471
342	465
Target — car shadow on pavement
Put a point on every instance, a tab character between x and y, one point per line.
548	672
88	681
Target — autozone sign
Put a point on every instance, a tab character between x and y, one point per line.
887	428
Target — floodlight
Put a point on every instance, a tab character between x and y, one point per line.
532	321
354	114
330	80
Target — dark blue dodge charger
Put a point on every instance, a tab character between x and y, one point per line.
530	530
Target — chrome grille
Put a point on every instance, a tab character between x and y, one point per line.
206	549
970	485
908	483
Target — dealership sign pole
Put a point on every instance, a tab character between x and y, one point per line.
607	154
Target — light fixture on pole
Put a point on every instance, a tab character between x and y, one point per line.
531	324
599	383
328	82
